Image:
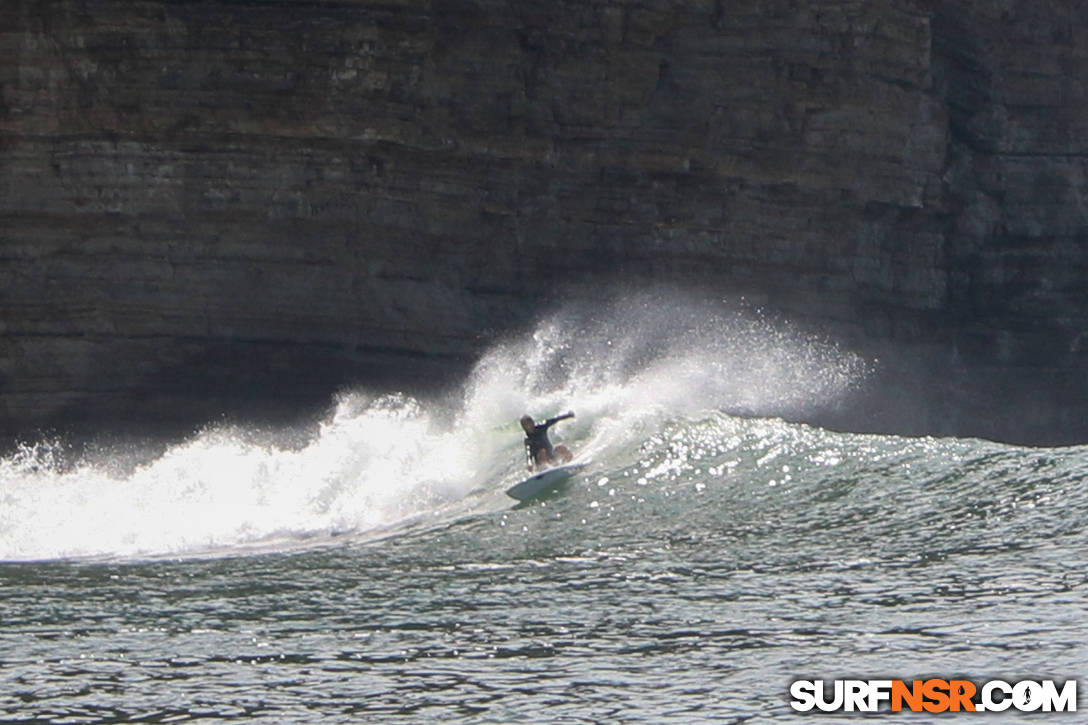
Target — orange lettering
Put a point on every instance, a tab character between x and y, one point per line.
961	692
936	691
912	695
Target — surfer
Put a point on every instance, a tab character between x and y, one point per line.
539	449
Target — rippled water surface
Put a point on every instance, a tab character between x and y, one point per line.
702	562
694	580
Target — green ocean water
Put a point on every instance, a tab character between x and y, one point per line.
703	561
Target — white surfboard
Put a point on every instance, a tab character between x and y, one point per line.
545	482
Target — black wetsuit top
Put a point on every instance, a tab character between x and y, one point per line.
538	439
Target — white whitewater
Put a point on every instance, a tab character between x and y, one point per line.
380	460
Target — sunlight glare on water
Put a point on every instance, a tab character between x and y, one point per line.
381	460
702	562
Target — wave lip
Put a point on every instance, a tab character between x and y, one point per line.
626	368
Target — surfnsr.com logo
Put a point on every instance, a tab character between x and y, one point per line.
933	695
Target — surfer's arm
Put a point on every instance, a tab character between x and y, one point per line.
552	421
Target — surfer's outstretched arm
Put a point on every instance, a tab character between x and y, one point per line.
552	421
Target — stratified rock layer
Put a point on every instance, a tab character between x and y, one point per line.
214	206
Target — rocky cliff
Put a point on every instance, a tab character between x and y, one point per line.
210	206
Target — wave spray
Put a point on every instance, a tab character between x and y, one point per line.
381	460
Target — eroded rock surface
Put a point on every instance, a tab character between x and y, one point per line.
219	205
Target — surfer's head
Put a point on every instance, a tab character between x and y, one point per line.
527	423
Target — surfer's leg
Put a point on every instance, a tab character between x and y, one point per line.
563	454
542	459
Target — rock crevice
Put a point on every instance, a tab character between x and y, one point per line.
362	189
